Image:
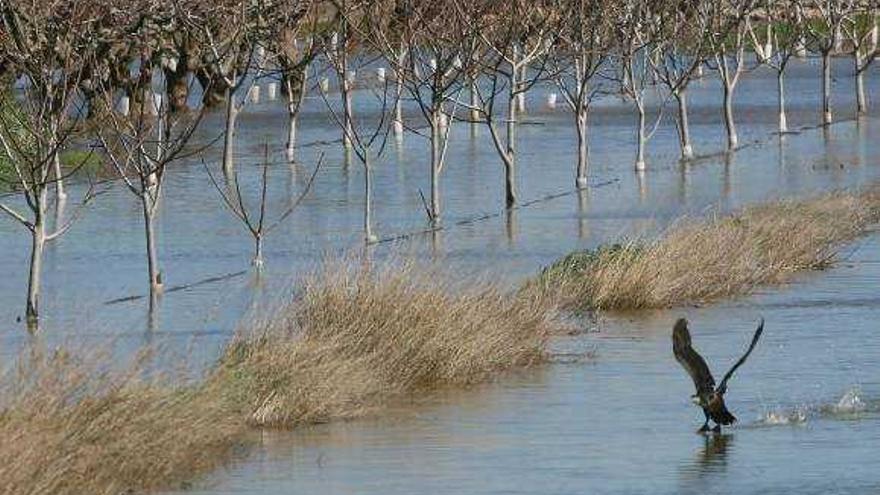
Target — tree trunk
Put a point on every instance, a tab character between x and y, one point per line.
684	133
368	199
229	137
436	152
60	195
780	86
826	87
258	252
640	149
510	152
296	92
397	124
729	125
155	277
861	101
38	240
583	147
475	103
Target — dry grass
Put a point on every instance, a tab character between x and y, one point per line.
66	428
359	339
699	261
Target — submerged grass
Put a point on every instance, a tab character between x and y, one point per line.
66	427
356	340
361	338
700	261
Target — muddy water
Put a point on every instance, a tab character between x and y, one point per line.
618	423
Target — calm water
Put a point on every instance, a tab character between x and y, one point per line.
618	423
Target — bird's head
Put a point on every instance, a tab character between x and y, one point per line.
696	400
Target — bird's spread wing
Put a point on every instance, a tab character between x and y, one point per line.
723	387
690	360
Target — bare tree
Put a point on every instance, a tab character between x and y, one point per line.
429	47
229	34
683	48
779	45
860	28
824	22
141	145
728	35
338	52
46	44
582	46
634	47
513	38
257	224
291	41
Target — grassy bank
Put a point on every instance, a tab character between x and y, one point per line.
697	261
356	341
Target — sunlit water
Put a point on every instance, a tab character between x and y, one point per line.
618	422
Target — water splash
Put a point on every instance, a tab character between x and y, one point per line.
795	416
851	402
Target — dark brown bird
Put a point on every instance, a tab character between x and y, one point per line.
709	397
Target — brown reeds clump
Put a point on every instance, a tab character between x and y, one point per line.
699	261
68	428
360	338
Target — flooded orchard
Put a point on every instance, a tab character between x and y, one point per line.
611	413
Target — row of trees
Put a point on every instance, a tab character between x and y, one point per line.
131	80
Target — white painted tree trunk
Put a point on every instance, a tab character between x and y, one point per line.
684	133
347	114
642	137
368	199
397	123
861	100
583	154
155	277
826	87
229	137
436	156
780	88
38	242
475	102
295	97
510	155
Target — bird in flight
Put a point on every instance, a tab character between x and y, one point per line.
709	397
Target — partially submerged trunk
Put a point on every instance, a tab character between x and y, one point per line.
729	125
368	199
583	153
38	242
509	157
641	135
780	87
861	100
826	87
296	91
155	277
684	133
229	136
436	161
397	123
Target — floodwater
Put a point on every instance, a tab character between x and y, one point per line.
618	421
